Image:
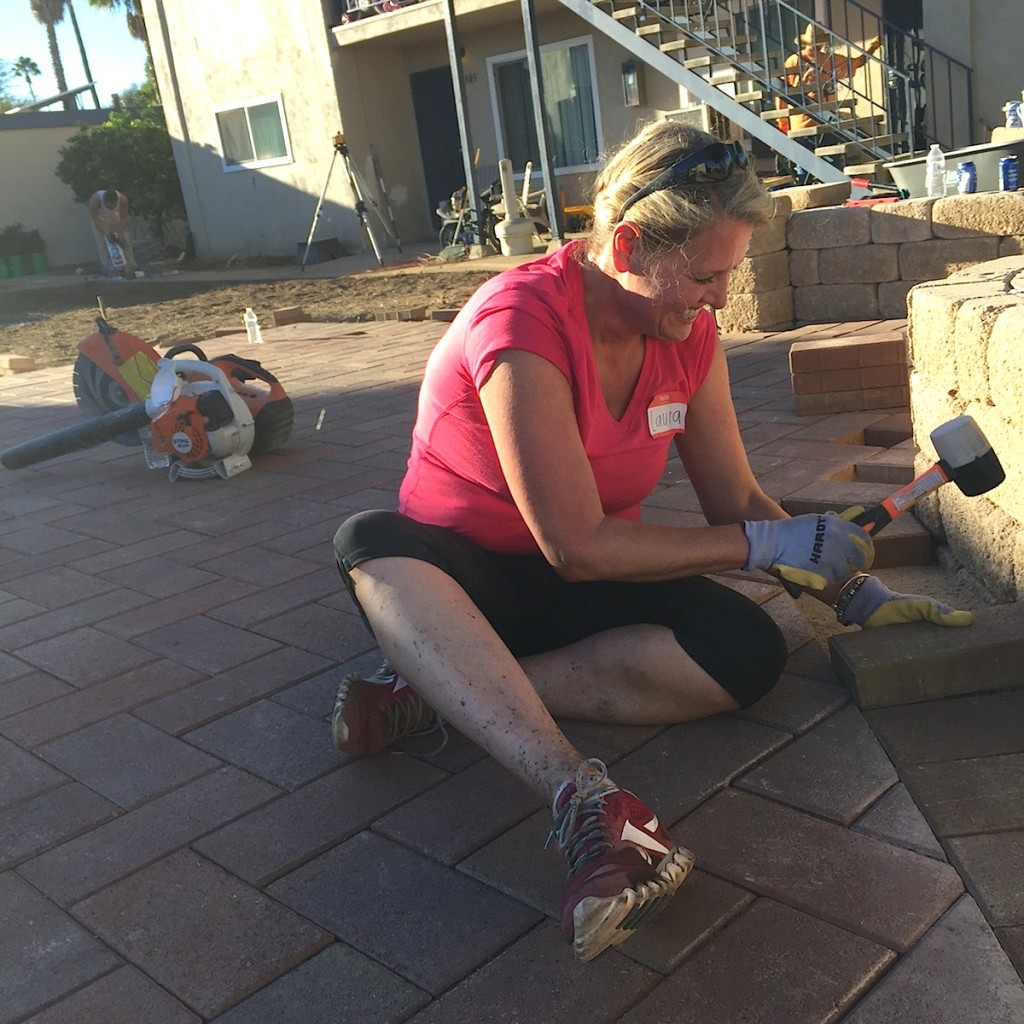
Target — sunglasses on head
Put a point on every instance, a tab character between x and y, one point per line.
711	164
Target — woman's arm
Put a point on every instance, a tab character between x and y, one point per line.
529	408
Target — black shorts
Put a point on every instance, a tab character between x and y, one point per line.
534	610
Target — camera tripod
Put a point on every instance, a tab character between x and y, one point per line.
363	198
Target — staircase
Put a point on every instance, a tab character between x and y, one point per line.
730	55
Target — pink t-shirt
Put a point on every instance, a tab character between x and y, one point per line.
454	478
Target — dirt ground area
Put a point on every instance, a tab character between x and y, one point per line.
47	323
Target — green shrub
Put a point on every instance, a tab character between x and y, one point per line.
16	241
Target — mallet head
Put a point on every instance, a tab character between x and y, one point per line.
966	456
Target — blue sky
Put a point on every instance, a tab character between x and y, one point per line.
115	59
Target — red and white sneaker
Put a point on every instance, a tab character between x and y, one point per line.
370	714
623	866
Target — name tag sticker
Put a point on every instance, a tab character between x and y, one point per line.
666	414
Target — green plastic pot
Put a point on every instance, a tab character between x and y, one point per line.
38	263
16	266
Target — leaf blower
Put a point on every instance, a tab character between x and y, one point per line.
193	416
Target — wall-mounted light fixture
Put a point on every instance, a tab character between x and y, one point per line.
632	83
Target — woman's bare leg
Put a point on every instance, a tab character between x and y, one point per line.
437	640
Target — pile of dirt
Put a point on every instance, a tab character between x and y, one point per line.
47	323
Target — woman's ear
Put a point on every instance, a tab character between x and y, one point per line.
625	248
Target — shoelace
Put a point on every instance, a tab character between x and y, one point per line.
403	717
589	840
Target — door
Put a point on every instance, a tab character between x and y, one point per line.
437	129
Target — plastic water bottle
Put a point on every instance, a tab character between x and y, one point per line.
252	327
935	173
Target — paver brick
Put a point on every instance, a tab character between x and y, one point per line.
836	770
84	656
276	838
123	995
338	984
884	667
271	741
948	730
701	908
980	794
27	689
44	952
24	774
685	764
957	973
896	819
538	979
462	813
994	865
230	690
89	862
877	890
208	938
796	704
42	821
429	925
757	969
206	644
96	756
79	708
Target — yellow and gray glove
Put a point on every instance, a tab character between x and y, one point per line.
812	550
866	601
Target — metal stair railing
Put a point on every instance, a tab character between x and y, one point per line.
877	112
650	30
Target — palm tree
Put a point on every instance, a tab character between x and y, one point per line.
27	68
50	13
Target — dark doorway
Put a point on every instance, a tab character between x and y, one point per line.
437	128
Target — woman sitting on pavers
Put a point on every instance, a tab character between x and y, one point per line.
517	582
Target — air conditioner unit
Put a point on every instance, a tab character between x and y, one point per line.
707	119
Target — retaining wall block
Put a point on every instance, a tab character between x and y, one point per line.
829	228
765	273
892	299
981	213
825	303
1006	363
859	264
771	237
907	221
931	311
803	268
936	259
763	311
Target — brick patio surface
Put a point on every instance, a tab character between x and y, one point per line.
180	841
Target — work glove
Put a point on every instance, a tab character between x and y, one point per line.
112	238
874	604
812	550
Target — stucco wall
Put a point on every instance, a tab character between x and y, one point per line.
281	48
33	195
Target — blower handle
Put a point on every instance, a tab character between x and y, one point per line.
75	438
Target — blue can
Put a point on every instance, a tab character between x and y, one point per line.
1009	174
966	177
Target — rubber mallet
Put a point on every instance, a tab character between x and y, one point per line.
965	457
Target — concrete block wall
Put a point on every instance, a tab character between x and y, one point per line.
821	264
967	358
